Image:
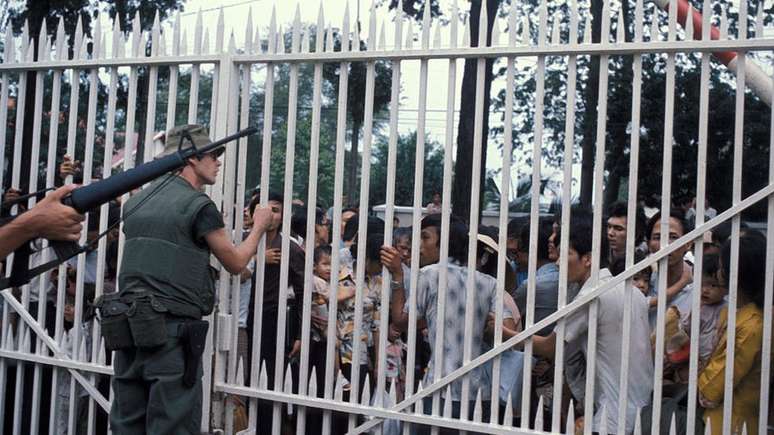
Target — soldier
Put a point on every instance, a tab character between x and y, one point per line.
166	286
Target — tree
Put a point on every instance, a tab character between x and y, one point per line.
404	187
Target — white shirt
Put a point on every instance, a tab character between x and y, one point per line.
608	355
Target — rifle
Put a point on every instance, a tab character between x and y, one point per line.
89	197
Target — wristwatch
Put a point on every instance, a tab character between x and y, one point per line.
394	285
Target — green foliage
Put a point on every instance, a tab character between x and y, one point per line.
405	178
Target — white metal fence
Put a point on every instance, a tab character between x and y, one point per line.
29	345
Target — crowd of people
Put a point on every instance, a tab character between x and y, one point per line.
460	329
440	343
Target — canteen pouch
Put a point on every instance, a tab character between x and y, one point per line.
114	324
193	336
147	322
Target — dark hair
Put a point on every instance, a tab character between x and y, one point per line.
722	232
515	225
401	233
675	214
621	209
458	235
710	265
545	229
752	268
298	220
375	225
374	242
256	199
618	264
321	251
581	237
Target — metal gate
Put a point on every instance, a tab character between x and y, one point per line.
237	77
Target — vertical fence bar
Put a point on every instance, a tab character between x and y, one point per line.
733	284
693	369
338	187
478	136
311	213
260	265
53	133
174	74
43	51
569	140
153	78
23	330
360	258
419	166
769	295
8	58
290	153
534	214
505	195
443	260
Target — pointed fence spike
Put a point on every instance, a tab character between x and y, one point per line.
206	42
466	33
137	44
708	427
483	21
26	339
393	392
587	30
296	35
382	43
263	379
338	391
176	36
508	415
654	27
555	33
638	422
496	33
311	389
620	36
257	41
198	33
43	38
398	24
78	40
673	426
437	37
319	42
539	415
220	30
183	43
477	411
744	428
603	420
689	25
280	41
162	47
365	396
249	32
724	24
447	403
344	31
453	27
240	374
329	45
101	355
525	33
512	22
570	424
273	31
410	36
426	26
305	42
155	34
288	387
61	52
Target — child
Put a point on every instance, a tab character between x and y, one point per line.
319	309
641	279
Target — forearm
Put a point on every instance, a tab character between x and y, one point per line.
544	346
15	233
399	318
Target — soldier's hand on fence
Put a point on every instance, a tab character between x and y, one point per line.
69	167
261	218
273	256
53	220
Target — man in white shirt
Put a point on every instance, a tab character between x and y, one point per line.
609	338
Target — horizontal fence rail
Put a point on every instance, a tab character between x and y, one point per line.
519	327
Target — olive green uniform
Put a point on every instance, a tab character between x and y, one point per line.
165	256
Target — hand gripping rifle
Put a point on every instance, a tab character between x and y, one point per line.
93	195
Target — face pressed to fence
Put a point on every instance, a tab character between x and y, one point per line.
712	290
322	267
429	250
276	216
616	235
676	231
